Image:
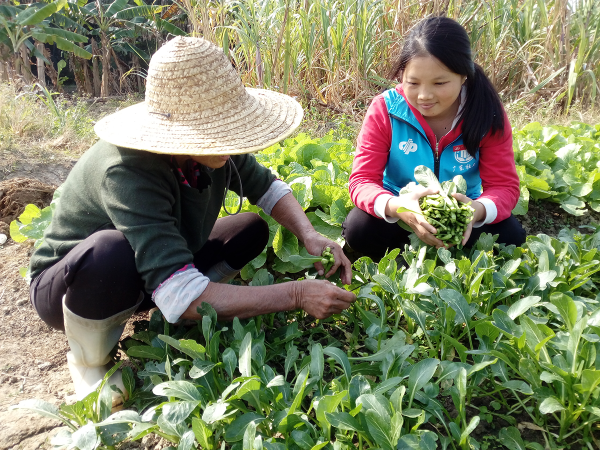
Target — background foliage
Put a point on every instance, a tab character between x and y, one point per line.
335	51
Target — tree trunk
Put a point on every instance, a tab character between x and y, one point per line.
105	88
4	63
41	69
87	75
95	69
77	68
136	72
51	71
26	64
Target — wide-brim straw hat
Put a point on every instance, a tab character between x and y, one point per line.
196	104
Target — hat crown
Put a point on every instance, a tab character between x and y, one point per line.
191	79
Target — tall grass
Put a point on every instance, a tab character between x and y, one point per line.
339	51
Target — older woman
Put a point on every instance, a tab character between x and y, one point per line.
136	225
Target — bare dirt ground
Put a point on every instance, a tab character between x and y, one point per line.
32	355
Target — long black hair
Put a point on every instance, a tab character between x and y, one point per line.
446	40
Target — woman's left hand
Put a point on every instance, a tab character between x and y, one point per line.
478	215
315	245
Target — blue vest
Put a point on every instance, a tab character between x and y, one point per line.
411	148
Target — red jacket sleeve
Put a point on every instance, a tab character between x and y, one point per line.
498	173
372	152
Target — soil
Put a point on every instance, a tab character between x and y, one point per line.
33	355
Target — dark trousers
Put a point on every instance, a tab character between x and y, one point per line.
373	236
99	278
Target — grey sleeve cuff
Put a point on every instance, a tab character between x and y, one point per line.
277	190
176	294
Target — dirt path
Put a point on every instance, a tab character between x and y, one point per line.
32	358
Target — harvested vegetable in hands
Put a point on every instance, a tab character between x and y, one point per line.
306	260
442	210
448	216
328	260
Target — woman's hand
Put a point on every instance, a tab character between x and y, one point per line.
417	222
315	243
320	298
478	216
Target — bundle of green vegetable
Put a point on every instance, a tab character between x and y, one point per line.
441	210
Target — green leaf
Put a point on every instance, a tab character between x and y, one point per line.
262	278
317	362
302	190
376	402
420	375
505	324
306	153
470	428
566	308
202	433
33	16
341	358
245	356
215	412
230	361
328	404
343	421
380	430
550	405
522	306
86	438
187	441
302	440
290	358
518	385
177	412
183	390
285	244
332	232
201	368
146	352
40	407
235	431
249	436
510	437
459	304
590	379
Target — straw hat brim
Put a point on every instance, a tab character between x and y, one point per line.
261	119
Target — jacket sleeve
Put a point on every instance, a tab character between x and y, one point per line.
498	172
372	152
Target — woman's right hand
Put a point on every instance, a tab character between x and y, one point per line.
417	222
321	298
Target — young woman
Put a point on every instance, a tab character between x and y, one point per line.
444	114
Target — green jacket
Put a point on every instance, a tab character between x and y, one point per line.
138	193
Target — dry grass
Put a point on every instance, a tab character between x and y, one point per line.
43	125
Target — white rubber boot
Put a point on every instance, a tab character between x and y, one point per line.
91	342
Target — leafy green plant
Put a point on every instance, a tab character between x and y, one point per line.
559	164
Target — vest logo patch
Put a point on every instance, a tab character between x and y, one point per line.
408	147
461	154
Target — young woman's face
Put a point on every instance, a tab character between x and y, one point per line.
431	87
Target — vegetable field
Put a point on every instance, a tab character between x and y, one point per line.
487	348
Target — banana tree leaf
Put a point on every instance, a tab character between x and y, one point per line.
33	16
115	7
